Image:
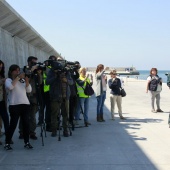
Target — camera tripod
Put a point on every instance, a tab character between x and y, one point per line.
63	108
61	113
40	106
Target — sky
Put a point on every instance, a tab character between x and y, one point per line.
116	33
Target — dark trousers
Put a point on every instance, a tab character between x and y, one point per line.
72	107
32	110
57	108
4	115
18	111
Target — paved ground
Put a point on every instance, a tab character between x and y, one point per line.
142	142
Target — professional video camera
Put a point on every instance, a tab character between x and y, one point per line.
62	65
27	69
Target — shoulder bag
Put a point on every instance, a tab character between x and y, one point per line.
88	90
122	92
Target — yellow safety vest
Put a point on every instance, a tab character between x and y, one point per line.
46	87
80	89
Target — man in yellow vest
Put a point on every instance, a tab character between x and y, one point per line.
46	97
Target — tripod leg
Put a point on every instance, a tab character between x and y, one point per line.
69	128
72	125
42	137
44	129
59	121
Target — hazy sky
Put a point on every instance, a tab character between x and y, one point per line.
112	32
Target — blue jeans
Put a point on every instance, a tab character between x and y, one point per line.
82	103
100	103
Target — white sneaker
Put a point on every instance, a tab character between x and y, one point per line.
154	111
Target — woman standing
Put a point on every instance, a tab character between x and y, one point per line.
154	85
17	86
3	110
83	99
115	96
101	81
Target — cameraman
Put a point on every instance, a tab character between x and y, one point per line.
46	95
73	89
59	82
32	98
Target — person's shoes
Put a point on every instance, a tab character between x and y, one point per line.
159	110
65	133
153	111
102	118
0	143
99	118
33	136
54	133
121	117
87	123
7	147
21	136
28	146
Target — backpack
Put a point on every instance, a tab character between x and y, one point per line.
168	79
88	90
153	83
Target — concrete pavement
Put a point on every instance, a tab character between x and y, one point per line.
139	143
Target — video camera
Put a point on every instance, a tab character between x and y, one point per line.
63	65
27	69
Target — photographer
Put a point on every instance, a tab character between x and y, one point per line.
46	95
34	78
59	81
73	89
17	86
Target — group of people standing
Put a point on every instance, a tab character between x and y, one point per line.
59	93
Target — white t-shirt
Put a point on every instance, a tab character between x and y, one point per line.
17	94
159	87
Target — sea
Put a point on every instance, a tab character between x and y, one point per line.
143	74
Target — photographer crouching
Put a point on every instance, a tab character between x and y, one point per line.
59	80
17	85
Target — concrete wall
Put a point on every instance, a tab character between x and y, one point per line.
14	50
